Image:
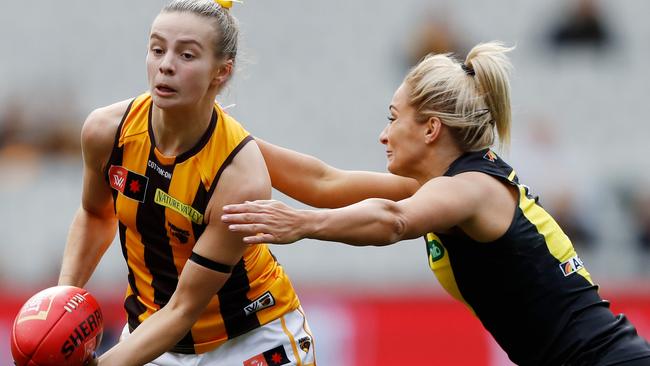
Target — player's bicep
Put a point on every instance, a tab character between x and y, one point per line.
439	205
97	137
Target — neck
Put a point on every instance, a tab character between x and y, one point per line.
438	163
178	130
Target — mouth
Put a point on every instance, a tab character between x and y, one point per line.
164	89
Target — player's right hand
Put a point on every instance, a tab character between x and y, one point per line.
266	221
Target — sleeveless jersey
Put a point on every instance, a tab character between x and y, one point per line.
529	288
160	202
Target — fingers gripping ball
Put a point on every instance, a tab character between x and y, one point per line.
59	326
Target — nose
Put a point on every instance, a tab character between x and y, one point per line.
383	136
166	66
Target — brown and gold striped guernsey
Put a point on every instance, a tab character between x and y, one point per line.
160	202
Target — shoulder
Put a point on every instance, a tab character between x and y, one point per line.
244	179
478	185
101	124
468	189
99	130
249	163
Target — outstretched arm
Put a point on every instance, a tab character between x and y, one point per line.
439	205
317	184
245	178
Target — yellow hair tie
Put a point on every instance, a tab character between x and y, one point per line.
226	4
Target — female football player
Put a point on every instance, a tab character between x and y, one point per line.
158	168
489	242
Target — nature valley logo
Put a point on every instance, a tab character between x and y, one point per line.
434	248
170	202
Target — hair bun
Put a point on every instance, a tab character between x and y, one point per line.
226	4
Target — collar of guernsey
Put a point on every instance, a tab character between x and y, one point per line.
160	202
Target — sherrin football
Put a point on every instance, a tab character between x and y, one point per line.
59	326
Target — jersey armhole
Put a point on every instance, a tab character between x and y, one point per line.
118	133
227	162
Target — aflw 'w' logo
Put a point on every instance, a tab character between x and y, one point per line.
118	176
118	181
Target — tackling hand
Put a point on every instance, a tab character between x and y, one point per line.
266	221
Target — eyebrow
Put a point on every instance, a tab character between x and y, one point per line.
182	40
392	107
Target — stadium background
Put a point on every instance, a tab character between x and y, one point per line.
317	76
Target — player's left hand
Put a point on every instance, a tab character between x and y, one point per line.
266	221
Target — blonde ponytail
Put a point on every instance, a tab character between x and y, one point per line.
491	66
473	98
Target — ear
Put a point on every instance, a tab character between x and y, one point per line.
223	73
433	127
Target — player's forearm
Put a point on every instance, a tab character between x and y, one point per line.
297	175
162	330
88	239
158	334
370	222
312	181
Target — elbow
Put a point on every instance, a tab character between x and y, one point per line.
185	313
398	229
395	224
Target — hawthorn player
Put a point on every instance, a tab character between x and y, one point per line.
159	167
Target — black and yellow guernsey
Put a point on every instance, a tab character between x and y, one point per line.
529	288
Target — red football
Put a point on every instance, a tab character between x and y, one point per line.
59	326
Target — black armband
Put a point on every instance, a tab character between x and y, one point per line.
210	264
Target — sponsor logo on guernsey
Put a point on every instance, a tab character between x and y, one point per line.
434	248
164	199
574	264
265	301
159	170
180	234
491	156
130	184
273	357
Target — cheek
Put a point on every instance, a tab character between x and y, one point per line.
394	134
198	77
152	67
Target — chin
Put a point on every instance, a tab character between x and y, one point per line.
391	168
163	103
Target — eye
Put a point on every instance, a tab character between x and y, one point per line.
187	56
391	119
157	50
